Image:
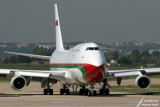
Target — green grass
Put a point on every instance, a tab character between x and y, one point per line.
154	89
6	79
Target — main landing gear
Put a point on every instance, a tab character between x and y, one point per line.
48	90
104	90
83	90
65	90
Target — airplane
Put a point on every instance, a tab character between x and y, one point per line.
82	65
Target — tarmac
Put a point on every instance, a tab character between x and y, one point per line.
32	96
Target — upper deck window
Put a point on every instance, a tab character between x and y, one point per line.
92	48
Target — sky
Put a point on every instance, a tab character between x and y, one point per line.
81	20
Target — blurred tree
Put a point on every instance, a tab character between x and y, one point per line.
144	57
124	61
43	51
135	56
155	57
112	56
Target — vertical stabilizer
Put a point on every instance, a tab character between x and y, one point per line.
59	42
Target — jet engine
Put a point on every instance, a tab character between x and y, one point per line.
142	82
18	83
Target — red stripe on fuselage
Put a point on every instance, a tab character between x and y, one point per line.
93	73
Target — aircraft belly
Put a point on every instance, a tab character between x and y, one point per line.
76	75
72	76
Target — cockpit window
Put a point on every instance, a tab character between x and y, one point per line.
96	48
92	48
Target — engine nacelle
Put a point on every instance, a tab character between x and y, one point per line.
142	82
18	83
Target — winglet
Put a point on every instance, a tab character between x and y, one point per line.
59	42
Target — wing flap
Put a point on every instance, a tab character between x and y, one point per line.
127	74
34	74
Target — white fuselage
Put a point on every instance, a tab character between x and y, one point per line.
83	58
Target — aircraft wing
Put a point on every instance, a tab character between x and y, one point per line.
30	55
132	72
59	75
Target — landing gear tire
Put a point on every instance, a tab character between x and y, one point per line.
89	93
45	91
61	91
94	93
86	91
107	91
104	91
101	91
67	92
81	91
51	92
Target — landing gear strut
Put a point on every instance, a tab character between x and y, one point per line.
65	90
48	90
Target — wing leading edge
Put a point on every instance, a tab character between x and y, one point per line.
133	72
59	75
30	55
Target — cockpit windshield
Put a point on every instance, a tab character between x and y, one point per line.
92	48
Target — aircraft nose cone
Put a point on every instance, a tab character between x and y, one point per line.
99	59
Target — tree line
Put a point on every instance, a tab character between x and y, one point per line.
135	58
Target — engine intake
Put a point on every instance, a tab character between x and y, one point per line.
18	83
143	82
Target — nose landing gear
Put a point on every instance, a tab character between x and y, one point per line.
92	91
